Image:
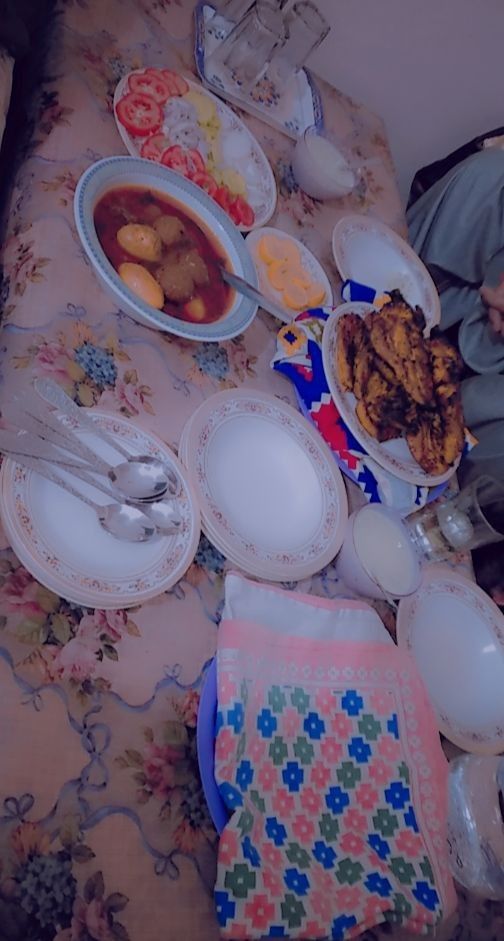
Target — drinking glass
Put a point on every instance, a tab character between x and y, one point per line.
305	29
474	517
232	10
243	55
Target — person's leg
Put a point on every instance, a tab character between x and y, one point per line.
483	403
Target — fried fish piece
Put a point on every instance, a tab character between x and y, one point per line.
453	422
396	335
379	430
352	338
426	443
447	366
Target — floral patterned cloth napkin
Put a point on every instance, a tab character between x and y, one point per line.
328	758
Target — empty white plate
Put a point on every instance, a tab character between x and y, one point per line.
456	635
272	498
369	251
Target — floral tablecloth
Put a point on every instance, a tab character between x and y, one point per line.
104	832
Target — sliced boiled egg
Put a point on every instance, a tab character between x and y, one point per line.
142	241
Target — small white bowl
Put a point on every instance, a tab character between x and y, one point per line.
320	168
115	172
358	573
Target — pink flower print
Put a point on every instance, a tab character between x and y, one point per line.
341	726
325	702
313	929
320	775
283	803
90	920
224	744
268	776
377	862
227	688
228	847
303	828
52	359
418	921
188	708
354	820
238	932
331	750
351	843
112	623
273	883
260	911
128	396
348	898
291	721
256	748
76	660
389	748
411	844
323	906
379	771
366	796
159	767
382	702
311	801
19	592
322	879
272	856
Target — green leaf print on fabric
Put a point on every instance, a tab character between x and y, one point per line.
240	880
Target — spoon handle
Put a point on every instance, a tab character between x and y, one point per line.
40	467
33	446
54	395
12	446
46	425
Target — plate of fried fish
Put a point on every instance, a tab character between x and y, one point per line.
397	390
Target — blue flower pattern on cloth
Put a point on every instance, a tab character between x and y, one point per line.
293	776
313	726
337	800
352	703
276	831
393	726
267	723
381	847
296	881
250	853
379	884
244	775
360	750
397	795
324	854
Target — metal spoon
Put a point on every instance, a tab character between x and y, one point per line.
125	522
253	294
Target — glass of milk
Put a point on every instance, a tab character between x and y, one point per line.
378	558
320	169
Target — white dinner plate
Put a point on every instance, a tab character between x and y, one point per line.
370	252
455	632
308	262
246	155
272	498
60	541
395	456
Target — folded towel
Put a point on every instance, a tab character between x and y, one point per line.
329	761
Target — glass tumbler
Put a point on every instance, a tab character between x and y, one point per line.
474	517
306	29
243	55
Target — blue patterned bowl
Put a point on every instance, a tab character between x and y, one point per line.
126	171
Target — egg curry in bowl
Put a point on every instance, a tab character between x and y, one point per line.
163	255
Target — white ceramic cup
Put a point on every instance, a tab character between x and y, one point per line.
394	571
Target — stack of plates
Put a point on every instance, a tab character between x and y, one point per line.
61	542
271	496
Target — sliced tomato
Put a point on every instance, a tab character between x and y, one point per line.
154	146
176	158
139	114
206	181
176	81
242	212
152	85
197	161
223	197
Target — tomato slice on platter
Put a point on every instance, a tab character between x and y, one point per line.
241	212
183	160
205	181
223	198
175	81
154	147
154	86
139	114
